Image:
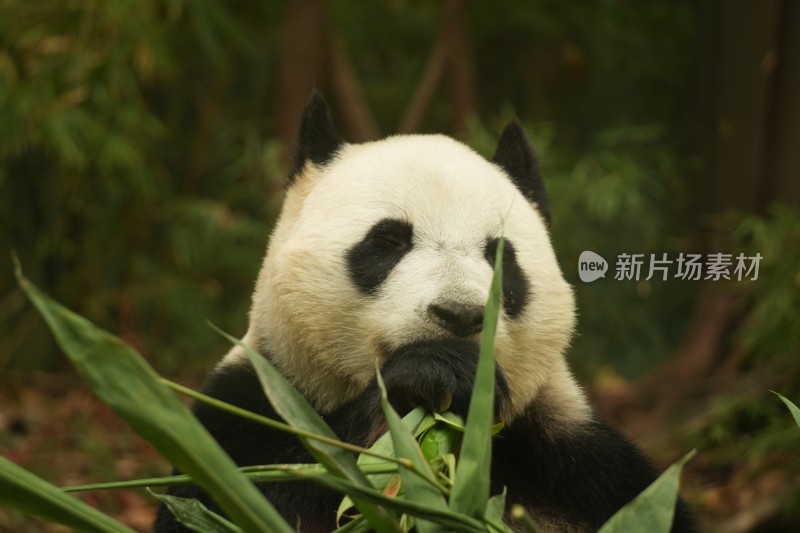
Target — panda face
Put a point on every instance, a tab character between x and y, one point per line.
393	242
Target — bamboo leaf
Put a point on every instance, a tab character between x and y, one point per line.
121	378
417	489
256	474
384	445
357	525
471	488
792	407
452	420
455	521
439	440
32	495
427	422
496	506
194	515
413	421
654	508
296	410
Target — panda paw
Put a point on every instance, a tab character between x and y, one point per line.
437	375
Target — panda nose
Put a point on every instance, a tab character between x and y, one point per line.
459	319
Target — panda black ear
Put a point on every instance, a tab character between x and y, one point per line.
317	140
515	155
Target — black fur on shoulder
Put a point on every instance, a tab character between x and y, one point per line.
583	474
516	156
317	140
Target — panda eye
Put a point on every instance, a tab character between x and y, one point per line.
516	289
391	235
509	254
371	261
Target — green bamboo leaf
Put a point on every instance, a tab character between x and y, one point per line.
496	506
439	440
296	410
495	511
654	508
413	420
471	488
121	378
259	419
256	474
455	521
345	505
457	423
384	446
792	407
427	422
32	495
357	525
417	488
452	420
194	515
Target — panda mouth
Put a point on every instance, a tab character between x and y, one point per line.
438	375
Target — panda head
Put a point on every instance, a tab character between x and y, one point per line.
392	242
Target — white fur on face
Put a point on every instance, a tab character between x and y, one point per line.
325	334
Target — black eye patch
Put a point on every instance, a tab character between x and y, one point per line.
371	260
515	284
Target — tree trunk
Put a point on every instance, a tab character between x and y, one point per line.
462	69
303	50
781	154
431	76
354	110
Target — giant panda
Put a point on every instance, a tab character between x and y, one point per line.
384	250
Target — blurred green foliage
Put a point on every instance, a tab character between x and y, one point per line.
772	329
770	339
140	174
746	421
139	171
134	168
621	194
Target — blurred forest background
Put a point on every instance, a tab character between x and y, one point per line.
143	149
